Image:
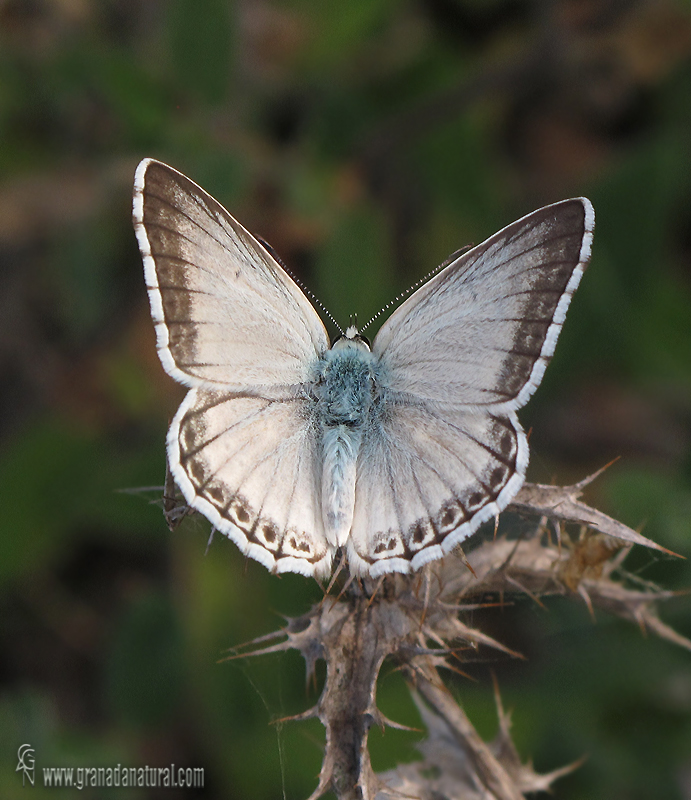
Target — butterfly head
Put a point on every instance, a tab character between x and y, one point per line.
351	340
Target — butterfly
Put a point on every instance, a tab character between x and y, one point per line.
298	449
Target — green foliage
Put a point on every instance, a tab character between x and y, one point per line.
351	269
145	668
201	48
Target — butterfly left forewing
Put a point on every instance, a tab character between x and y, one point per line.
250	465
427	479
226	313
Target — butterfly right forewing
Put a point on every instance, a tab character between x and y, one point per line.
482	331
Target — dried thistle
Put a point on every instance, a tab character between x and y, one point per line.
416	623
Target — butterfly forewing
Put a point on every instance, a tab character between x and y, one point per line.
481	332
226	313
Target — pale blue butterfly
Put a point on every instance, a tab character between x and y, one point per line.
296	449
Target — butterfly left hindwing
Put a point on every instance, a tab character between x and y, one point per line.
249	465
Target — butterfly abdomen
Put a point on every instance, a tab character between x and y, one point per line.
341	446
344	392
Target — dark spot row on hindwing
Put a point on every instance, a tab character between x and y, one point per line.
217	493
390	543
231	505
428	531
266	533
197	472
507	446
260	530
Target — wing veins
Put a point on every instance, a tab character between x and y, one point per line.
194	222
396	505
524	231
467	270
230	233
458	458
171	288
269	272
236	396
496	456
252	417
443	480
255	465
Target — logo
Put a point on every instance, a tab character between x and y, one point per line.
26	763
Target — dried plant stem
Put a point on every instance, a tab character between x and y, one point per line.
492	774
415	622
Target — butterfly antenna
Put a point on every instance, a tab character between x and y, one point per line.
317	302
417	284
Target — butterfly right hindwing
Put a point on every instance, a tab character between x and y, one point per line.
429	479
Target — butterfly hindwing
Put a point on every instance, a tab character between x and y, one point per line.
225	311
427	480
481	332
249	465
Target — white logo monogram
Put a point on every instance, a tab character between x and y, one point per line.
26	763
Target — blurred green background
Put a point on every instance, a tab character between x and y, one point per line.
365	140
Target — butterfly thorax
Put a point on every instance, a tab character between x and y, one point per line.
345	392
345	385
